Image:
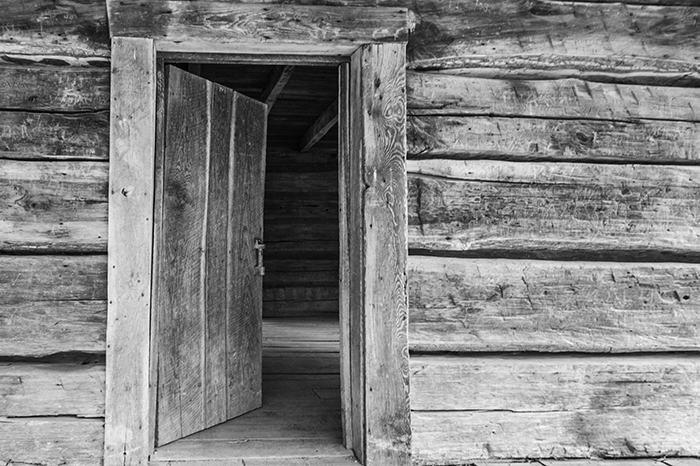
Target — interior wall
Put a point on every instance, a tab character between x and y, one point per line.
301	234
552	215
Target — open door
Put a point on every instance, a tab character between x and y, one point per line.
208	283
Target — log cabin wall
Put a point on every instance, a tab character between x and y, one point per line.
553	229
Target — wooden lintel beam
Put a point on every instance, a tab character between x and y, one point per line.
321	126
275	83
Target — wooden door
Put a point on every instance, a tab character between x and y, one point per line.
207	283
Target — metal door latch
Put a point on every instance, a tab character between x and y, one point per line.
259	247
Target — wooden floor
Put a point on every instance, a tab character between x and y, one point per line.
299	422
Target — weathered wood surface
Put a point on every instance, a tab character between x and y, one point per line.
52	278
208	292
562	210
132	146
29	135
42	328
63	27
53	206
546	34
379	142
221	23
449	93
639	141
52	88
51	441
547	383
523	305
449	437
52	390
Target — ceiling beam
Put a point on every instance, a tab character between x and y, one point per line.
275	83
321	126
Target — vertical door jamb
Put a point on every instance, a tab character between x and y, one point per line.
130	241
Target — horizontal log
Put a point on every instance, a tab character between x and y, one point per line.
547	210
296	28
51	441
300	308
52	390
41	328
53	206
523	305
302	183
64	89
286	280
541	31
54	27
639	141
311	230
584	384
52	278
449	94
448	437
302	293
25	135
52	304
296	266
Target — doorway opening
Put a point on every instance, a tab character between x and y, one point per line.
301	415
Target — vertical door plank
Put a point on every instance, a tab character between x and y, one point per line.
356	256
344	249
180	284
216	282
382	127
246	199
132	146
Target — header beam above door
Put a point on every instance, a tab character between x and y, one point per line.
223	27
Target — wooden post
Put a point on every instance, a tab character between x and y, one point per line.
378	143
132	146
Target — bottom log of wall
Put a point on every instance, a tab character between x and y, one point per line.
51	441
554	407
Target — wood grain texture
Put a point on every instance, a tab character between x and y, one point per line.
246	227
563	210
343	299
52	304
132	149
53	206
208	293
639	141
53	88
64	27
51	441
382	127
28	389
547	34
449	93
448	437
597	384
523	305
46	136
221	23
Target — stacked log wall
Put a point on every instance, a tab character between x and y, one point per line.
553	230
54	145
553	263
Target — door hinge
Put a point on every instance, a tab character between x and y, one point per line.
259	247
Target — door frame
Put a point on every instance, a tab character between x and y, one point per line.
373	249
